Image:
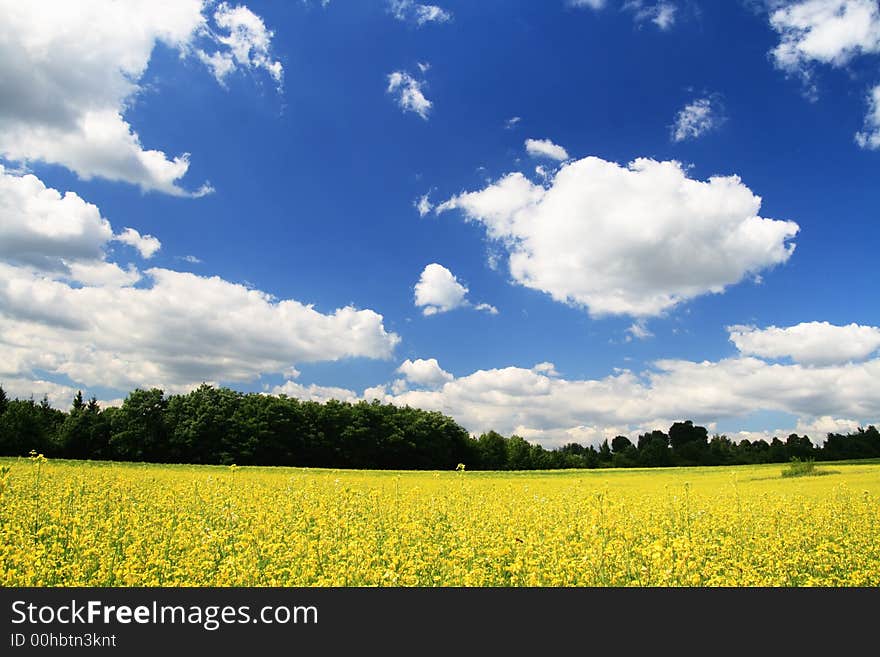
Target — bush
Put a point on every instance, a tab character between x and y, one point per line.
798	468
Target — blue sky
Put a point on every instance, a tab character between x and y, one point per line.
562	219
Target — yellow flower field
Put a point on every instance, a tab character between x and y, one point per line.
71	523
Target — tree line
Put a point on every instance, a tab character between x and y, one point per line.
221	426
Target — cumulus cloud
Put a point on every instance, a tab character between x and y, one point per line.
424	372
824	31
486	308
634	240
409	94
869	138
696	119
414	12
181	330
438	290
70	71
146	245
552	410
67	311
816	428
314	392
41	227
545	148
62	235
809	343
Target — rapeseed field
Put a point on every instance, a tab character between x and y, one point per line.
68	523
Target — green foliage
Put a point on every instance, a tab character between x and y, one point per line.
798	468
221	426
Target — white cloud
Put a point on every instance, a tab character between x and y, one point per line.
438	291
639	331
662	14
424	372
41	227
193	260
103	274
423	205
146	245
66	310
414	12
486	308
545	148
409	93
181	330
547	368
555	410
591	4
816	428
869	138
512	122
314	392
696	119
248	41
70	71
809	343
825	31
633	240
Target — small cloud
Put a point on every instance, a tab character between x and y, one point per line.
439	291
413	12
512	122
424	372
423	205
545	148
869	138
662	14
696	119
190	259
409	93
639	331
146	245
586	4
545	368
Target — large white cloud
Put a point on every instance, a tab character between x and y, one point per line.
553	410
181	330
810	343
42	228
66	310
69	71
825	31
633	240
